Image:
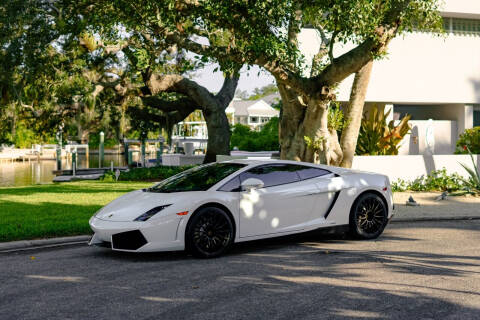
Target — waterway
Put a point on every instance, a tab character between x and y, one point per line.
40	172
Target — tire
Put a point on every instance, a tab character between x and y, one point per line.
210	233
368	217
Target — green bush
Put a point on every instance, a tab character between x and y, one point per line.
438	180
469	139
248	140
146	174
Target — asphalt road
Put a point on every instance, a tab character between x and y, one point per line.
422	270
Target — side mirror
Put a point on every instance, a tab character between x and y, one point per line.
252	184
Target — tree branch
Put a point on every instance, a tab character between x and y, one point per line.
170	106
353	60
177	83
227	92
330	44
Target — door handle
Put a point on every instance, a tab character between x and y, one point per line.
312	193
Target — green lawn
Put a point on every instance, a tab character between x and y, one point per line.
54	210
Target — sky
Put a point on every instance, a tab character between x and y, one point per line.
255	77
249	79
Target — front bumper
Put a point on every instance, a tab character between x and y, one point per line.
138	236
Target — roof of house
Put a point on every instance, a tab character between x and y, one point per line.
240	107
272	98
251	108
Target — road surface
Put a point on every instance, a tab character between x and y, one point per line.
422	270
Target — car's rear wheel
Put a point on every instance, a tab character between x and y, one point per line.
369	216
209	233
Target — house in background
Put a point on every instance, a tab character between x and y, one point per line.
427	76
252	113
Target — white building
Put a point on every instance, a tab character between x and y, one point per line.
429	77
253	113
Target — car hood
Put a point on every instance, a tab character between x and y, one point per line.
133	204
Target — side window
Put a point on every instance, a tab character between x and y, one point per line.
231	186
310	172
272	175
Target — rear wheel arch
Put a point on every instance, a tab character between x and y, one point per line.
371	191
358	231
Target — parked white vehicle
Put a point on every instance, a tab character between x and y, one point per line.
208	208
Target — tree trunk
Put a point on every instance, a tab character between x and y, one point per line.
353	114
300	119
212	106
218	134
291	118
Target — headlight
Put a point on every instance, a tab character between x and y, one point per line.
150	213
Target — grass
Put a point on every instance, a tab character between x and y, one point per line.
54	210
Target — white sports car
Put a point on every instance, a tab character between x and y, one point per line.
208	208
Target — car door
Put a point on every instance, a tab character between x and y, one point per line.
324	195
284	204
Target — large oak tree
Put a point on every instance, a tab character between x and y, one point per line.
265	33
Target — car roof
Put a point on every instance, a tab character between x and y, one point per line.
260	161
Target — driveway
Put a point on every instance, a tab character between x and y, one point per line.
422	270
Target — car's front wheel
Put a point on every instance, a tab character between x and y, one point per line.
369	216
210	233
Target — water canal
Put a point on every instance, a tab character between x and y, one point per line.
26	173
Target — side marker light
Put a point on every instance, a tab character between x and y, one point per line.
184	213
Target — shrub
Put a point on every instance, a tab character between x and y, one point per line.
438	180
146	174
248	140
469	139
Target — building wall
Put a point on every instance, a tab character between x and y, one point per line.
423	69
445	133
461	8
462	114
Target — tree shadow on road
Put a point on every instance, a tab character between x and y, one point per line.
306	276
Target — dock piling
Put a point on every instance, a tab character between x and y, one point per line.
101	150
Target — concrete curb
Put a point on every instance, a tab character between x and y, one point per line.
426	219
42	243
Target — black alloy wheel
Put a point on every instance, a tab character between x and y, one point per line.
209	233
369	216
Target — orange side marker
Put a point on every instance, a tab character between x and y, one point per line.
184	213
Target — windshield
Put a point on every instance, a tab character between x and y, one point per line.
199	178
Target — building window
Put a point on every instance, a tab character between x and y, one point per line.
462	26
264	119
476	116
253	119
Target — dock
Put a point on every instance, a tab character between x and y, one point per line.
83	174
33	154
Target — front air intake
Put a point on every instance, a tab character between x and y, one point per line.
130	240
